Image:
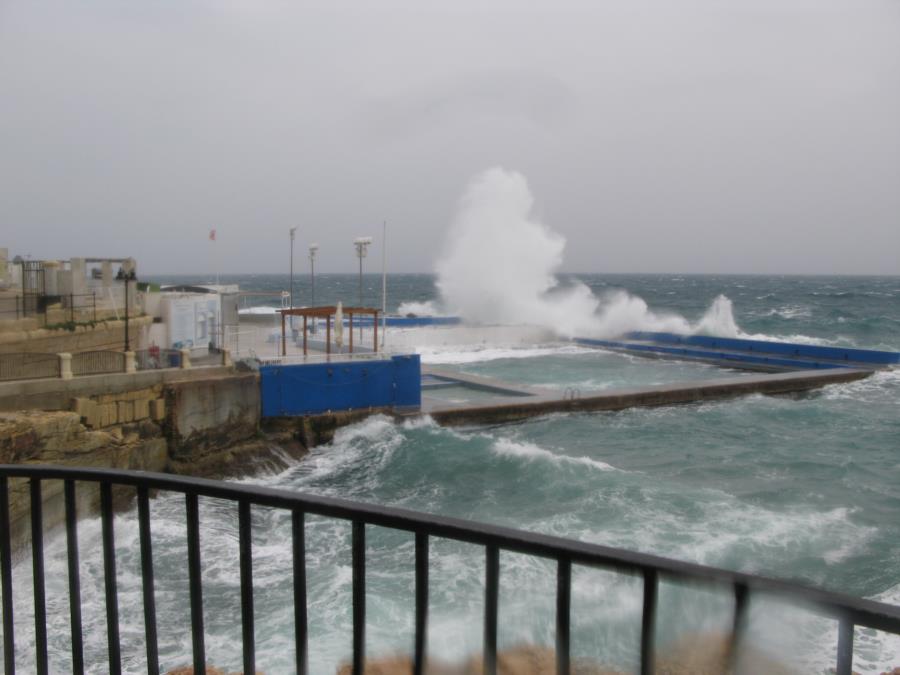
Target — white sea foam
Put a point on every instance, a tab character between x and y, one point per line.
505	447
460	354
880	386
790	312
500	262
427	308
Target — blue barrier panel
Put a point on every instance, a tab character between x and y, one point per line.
407	381
407	321
305	389
789	349
734	359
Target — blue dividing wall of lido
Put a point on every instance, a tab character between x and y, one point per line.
783	349
307	389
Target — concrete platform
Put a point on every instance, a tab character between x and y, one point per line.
525	402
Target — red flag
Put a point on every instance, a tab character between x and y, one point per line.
212	234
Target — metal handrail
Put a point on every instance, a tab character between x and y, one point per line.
849	611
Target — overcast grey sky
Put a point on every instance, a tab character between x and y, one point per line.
657	135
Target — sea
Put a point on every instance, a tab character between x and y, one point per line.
803	487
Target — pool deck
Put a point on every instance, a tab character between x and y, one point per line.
515	402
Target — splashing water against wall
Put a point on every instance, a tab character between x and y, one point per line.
499	266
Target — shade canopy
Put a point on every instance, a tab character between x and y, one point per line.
326	312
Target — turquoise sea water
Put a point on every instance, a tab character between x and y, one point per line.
802	487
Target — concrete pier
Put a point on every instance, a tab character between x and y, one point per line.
528	402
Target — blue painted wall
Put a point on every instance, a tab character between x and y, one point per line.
785	349
407	321
306	389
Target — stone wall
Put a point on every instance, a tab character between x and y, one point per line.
57	394
125	407
201	426
35	437
103	335
208	418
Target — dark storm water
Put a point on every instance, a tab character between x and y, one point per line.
799	487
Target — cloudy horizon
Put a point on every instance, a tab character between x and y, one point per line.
688	137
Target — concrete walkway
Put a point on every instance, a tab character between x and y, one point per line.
524	402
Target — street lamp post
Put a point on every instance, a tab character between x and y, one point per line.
362	245
313	249
128	275
293	232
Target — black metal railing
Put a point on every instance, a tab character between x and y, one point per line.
847	610
155	358
27	366
98	362
79	307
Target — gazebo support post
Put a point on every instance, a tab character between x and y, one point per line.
304	335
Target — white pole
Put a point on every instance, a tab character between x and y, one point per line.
383	282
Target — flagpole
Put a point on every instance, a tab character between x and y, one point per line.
214	258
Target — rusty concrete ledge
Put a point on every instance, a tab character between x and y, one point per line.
514	409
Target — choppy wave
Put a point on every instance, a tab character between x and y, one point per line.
463	354
505	447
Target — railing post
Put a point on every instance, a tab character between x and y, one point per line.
844	648
359	597
185	358
109	579
421	637
74	578
648	622
739	622
195	581
130	365
563	614
9	649
150	637
37	558
226	357
65	366
300	625
246	564
491	605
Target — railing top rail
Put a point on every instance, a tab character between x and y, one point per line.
860	611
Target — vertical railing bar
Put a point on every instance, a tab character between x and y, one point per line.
648	622
491	604
359	597
37	563
246	556
147	581
195	581
74	577
300	621
9	651
563	614
421	637
109	579
844	664
739	621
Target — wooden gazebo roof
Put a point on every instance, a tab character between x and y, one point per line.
322	311
326	312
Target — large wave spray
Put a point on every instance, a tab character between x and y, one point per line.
500	263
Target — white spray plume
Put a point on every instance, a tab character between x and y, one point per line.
499	267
